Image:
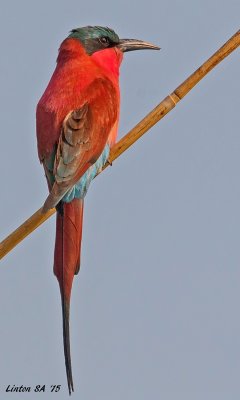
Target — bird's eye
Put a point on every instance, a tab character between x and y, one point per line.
104	40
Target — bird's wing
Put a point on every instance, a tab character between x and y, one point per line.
84	134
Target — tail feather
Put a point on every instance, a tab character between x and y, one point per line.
67	264
66	344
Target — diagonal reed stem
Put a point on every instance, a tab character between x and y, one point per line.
132	136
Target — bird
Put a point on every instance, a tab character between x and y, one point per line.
76	124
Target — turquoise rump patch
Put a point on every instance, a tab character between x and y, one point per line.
80	189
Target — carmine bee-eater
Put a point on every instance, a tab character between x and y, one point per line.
77	121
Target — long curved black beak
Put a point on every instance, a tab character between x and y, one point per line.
135	44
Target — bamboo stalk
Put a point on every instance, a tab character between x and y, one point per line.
132	136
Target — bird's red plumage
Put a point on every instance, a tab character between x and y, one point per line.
71	86
78	80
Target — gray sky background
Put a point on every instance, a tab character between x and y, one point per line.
155	308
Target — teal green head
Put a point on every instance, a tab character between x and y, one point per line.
96	38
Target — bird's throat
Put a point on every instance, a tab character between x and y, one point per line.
109	60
